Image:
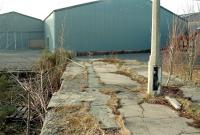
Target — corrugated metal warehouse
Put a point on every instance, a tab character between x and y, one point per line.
18	31
102	25
105	25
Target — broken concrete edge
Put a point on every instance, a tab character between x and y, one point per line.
173	102
176	105
73	97
61	120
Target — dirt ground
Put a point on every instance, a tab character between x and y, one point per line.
18	60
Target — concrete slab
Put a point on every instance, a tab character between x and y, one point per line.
72	70
140	69
158	111
145	119
116	79
193	133
70	98
137	126
152	126
104	67
169	126
193	92
93	80
125	94
105	116
128	102
100	99
143	73
131	111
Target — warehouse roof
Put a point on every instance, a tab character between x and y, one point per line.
78	3
13	12
75	4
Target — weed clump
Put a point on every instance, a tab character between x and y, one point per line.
9	100
74	119
49	68
190	110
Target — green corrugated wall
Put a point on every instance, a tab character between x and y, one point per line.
108	25
50	32
16	30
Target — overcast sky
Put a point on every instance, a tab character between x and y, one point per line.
41	8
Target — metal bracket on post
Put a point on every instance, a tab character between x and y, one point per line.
156	79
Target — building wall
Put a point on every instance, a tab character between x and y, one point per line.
109	25
50	32
17	30
193	21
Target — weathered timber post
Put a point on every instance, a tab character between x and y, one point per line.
154	68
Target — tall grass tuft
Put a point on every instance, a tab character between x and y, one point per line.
49	69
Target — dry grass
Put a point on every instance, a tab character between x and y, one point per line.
185	62
112	61
190	110
155	100
133	75
41	87
76	120
172	92
52	66
196	76
114	104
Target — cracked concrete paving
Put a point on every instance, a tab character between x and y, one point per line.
143	119
193	92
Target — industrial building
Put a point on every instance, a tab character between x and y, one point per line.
193	21
106	25
18	31
100	25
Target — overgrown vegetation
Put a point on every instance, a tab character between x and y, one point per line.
49	69
190	110
14	90
181	57
76	120
11	97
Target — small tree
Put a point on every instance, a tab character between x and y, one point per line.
173	45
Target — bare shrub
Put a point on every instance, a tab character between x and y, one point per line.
46	81
181	55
